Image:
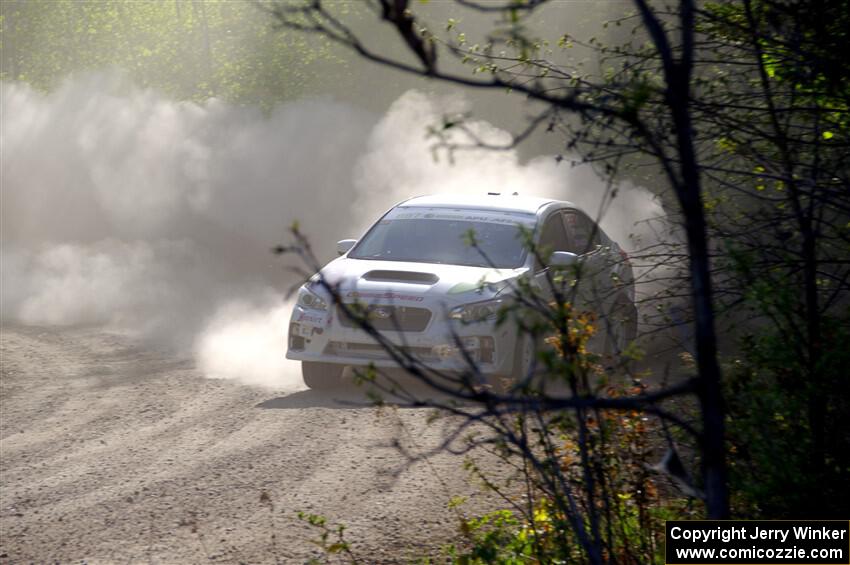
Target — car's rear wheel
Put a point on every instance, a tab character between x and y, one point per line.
321	376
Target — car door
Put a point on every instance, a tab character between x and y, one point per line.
553	237
586	240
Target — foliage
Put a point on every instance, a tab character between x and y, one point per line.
632	508
331	538
188	49
773	468
777	137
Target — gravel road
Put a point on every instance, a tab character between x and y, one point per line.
116	452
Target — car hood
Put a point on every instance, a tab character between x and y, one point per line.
403	282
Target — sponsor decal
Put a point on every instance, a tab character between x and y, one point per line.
478	216
301	330
303	317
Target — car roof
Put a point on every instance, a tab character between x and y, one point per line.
509	202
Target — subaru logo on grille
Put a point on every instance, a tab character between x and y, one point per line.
381	313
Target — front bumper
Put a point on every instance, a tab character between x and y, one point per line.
321	336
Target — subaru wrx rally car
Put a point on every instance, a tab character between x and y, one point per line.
421	283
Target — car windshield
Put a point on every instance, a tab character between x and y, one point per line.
439	235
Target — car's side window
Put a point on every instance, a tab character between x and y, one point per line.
581	233
553	237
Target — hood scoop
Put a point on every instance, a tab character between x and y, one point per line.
401	276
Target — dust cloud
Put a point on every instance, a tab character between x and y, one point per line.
244	341
399	164
124	209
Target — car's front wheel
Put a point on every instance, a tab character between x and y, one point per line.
321	376
621	327
525	352
523	357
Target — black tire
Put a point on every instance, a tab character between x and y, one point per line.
523	355
526	354
502	383
523	358
321	376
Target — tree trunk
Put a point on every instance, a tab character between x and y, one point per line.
689	192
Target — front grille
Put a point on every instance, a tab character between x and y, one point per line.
374	351
390	318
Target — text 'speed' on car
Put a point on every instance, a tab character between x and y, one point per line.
421	284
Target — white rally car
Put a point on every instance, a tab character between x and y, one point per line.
423	284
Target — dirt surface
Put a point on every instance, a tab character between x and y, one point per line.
114	452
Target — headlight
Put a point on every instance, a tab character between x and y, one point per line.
309	299
477	311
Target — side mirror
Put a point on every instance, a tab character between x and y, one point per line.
562	259
344	245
